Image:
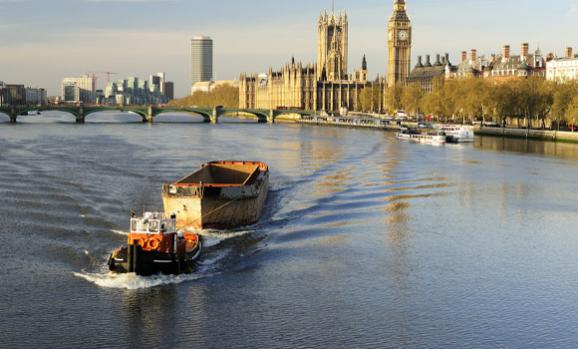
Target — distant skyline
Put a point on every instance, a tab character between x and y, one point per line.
44	41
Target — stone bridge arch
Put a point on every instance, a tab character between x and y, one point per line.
257	115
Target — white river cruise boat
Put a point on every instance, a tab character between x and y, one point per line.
458	133
435	137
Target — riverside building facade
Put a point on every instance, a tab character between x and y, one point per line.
327	86
502	67
563	69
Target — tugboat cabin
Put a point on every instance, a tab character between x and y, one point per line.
152	223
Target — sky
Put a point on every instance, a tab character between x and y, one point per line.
42	41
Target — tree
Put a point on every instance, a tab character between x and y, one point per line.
563	95
393	98
572	112
222	95
411	98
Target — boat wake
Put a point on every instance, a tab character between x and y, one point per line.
207	267
120	232
134	282
213	238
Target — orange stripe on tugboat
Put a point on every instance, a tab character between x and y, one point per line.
155	246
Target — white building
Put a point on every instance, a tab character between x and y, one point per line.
81	89
202	59
563	69
209	86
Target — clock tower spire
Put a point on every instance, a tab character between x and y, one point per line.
399	45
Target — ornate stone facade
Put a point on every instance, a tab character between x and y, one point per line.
325	86
332	46
399	45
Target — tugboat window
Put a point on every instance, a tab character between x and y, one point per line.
154	226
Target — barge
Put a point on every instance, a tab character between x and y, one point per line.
155	246
220	195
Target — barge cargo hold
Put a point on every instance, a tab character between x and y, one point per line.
221	195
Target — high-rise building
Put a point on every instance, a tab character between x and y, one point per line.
332	50
399	45
36	96
135	91
202	59
81	89
12	95
169	90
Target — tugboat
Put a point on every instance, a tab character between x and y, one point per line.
155	246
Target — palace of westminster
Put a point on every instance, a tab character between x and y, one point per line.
328	87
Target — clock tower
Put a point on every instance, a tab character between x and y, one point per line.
399	45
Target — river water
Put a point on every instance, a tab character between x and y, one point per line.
365	242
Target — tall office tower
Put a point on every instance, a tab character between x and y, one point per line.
399	45
202	59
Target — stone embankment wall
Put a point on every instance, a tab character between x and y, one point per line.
545	135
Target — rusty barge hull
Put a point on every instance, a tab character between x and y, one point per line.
221	195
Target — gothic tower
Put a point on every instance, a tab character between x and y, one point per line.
332	50
399	45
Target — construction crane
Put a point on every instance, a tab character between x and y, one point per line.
107	73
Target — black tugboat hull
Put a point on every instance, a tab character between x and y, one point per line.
133	259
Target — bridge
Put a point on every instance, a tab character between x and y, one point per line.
149	113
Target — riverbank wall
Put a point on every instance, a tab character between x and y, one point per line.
543	135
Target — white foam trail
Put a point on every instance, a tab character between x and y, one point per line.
134	282
120	232
214	237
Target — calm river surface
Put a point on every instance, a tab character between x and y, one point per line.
365	242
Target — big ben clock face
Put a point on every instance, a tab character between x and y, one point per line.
403	35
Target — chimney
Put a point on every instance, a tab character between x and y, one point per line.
419	62
427	61
525	51
464	56
447	59
438	63
506	52
473	55
569	52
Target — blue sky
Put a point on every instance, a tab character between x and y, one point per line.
42	41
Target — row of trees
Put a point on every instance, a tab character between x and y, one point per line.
222	95
531	102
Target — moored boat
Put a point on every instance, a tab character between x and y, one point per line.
458	133
427	137
156	247
220	195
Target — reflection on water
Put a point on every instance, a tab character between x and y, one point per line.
563	150
365	242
